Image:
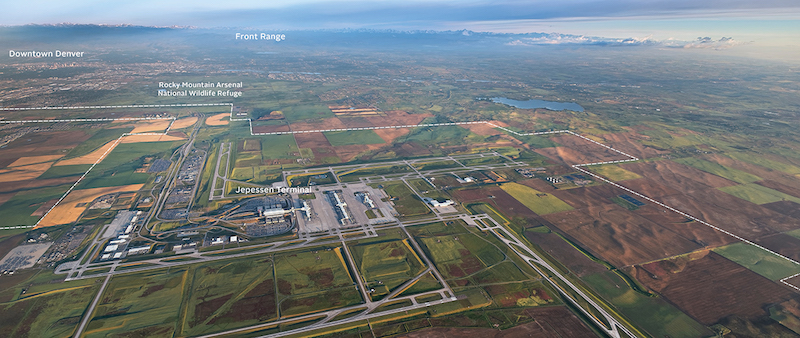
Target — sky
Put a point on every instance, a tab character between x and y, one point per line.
766	24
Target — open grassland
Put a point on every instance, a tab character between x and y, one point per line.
278	147
311	272
143	304
761	160
653	314
539	202
385	266
99	138
343	138
462	255
758	194
719	170
614	173
354	174
54	311
229	294
759	260
405	201
296	113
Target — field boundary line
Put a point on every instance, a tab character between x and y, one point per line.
250	121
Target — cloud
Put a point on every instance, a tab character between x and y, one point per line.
708	43
569	39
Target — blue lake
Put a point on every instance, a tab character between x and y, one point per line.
533	104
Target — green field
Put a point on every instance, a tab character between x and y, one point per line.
758	194
614	172
719	170
18	210
143	304
64	171
759	260
47	309
304	112
445	135
101	137
767	163
119	165
462	255
311	271
654	315
535	200
405	202
354	174
278	147
386	265
350	137
229	294
436	165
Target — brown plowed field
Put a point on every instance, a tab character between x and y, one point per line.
397	118
349	152
784	188
699	199
548	322
783	244
629	142
733	214
45	143
312	140
389	135
620	236
270	129
563	252
484	129
594	196
14	187
709	287
572	156
355	122
502	201
650	188
694	231
773	179
329	123
678	176
787	208
591	151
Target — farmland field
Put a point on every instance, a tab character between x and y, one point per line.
614	173
719	170
538	202
758	194
758	260
343	138
709	287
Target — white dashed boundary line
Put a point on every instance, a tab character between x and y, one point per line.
631	158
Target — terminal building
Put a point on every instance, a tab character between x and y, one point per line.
268	215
